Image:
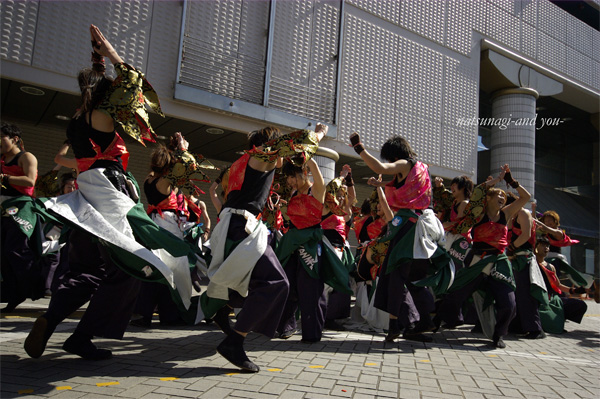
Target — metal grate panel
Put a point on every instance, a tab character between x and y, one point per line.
458	31
529	40
125	24
224	48
459	148
552	20
425	17
503	27
368	90
19	19
304	59
551	52
385	9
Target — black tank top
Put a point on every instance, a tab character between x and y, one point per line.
254	192
480	246
153	196
79	133
10	190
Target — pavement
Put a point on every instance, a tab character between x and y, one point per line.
181	362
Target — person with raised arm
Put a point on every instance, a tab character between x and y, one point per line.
486	265
113	243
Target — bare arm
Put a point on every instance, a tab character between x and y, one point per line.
103	46
401	166
556	234
28	162
318	188
525	221
61	159
214	197
388	214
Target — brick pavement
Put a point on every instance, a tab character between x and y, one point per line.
181	362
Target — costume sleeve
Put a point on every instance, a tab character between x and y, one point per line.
126	100
473	211
185	171
330	196
46	185
298	147
442	201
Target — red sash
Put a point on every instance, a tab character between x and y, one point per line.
304	211
415	193
237	173
554	283
113	151
374	229
491	233
565	242
168	204
337	223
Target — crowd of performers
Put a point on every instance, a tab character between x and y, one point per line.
279	252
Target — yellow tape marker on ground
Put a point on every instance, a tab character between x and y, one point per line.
425	361
232	374
492	355
106	384
544	353
316	367
63	388
370	364
169	378
273	369
22	391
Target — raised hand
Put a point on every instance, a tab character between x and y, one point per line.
438	182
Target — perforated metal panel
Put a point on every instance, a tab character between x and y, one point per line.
369	83
460	104
18	30
551	52
224	48
529	40
425	17
304	59
503	27
63	31
424	136
163	50
385	9
458	31
529	12
552	20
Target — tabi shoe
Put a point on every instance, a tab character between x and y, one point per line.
234	353
310	340
534	335
84	348
498	342
477	329
141	322
392	335
221	319
288	334
38	337
414	335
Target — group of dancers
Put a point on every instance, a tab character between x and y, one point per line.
280	245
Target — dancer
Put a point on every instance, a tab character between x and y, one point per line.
409	195
106	215
21	273
560	307
244	265
486	264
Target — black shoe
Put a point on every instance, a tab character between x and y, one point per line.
11	306
221	319
235	354
288	334
141	322
498	342
36	341
85	348
477	329
333	325
535	335
437	323
413	335
425	326
392	335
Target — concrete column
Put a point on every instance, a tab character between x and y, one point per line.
326	159
513	134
